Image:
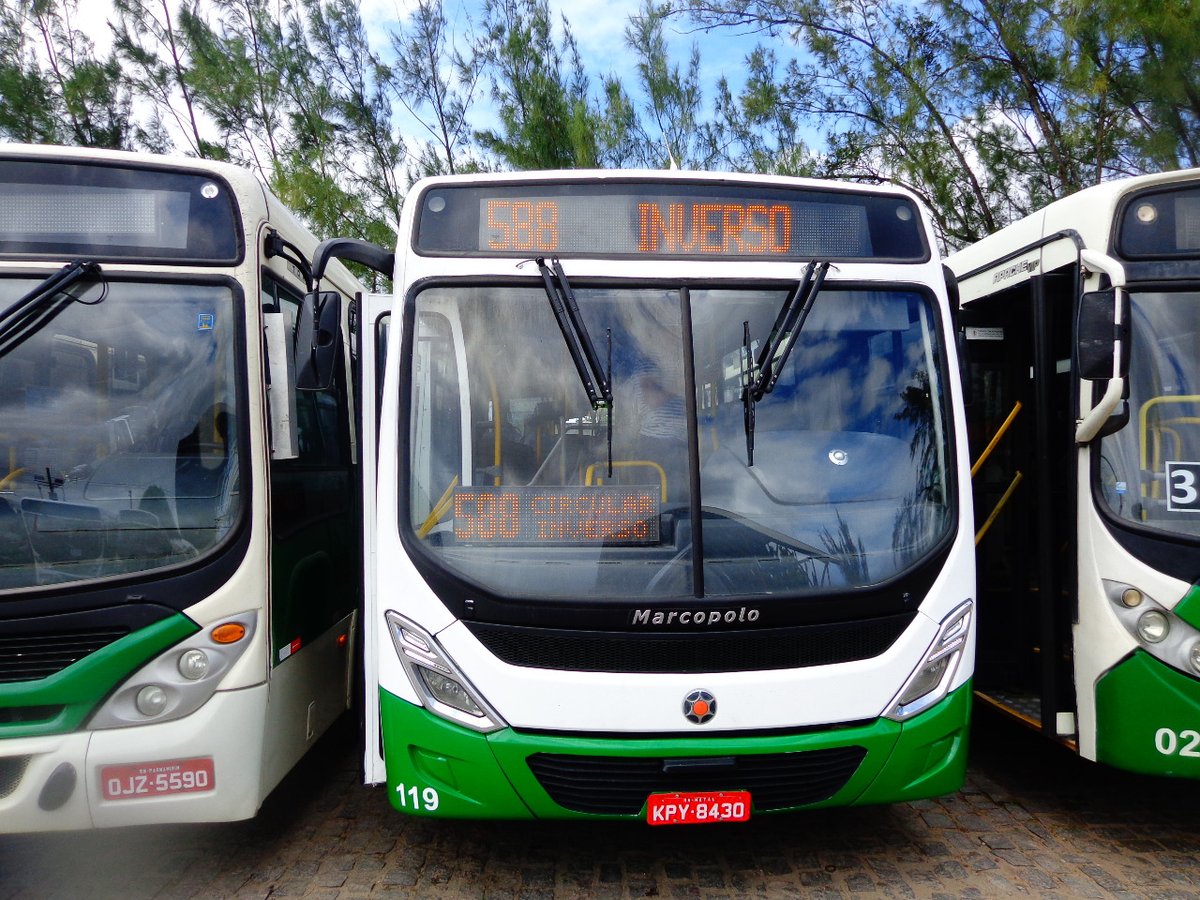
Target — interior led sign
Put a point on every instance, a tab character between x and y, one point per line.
604	514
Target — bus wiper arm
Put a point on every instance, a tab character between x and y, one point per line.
56	283
762	374
786	330
24	317
596	380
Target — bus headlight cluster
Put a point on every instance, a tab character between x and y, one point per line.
931	680
1157	630
179	680
443	689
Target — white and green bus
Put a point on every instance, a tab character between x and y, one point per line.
1082	324
670	516
179	561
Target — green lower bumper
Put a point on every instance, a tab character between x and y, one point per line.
437	768
1148	718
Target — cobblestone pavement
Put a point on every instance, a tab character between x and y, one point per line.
1032	820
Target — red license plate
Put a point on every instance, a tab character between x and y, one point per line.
698	809
170	776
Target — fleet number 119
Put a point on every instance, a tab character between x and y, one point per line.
417	798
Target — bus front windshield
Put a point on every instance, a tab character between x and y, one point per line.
1149	471
517	483
118	431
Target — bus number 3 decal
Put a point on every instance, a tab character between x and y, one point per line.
418	799
1184	495
1186	743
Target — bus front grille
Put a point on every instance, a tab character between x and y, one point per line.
714	651
29	657
12	768
24	715
619	785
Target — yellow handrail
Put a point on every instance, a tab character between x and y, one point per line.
1144	414
629	464
4	482
999	506
439	509
987	451
496	426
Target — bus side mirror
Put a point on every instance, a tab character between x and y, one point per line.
318	340
1101	344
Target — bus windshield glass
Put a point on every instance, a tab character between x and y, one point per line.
118	431
522	485
1149	471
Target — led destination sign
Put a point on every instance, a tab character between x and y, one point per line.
68	211
699	229
684	220
556	515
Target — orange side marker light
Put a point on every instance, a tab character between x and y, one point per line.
229	633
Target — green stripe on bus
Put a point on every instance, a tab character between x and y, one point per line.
69	696
1188	608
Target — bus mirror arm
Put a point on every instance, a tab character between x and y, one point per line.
1090	425
370	255
1102	342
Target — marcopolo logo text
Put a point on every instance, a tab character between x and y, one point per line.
697	618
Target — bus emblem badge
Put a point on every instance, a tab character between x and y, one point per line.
699	707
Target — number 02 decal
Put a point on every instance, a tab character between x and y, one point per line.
1184	481
1185	743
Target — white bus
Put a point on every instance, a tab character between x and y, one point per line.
179	577
670	517
1081	323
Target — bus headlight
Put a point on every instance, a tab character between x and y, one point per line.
931	680
193	664
443	689
1156	629
151	700
447	690
1153	626
179	680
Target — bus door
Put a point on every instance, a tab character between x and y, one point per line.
370	346
1020	421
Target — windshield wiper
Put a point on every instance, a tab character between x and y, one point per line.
31	312
759	376
596	379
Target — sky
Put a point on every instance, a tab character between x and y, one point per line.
599	30
597	25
